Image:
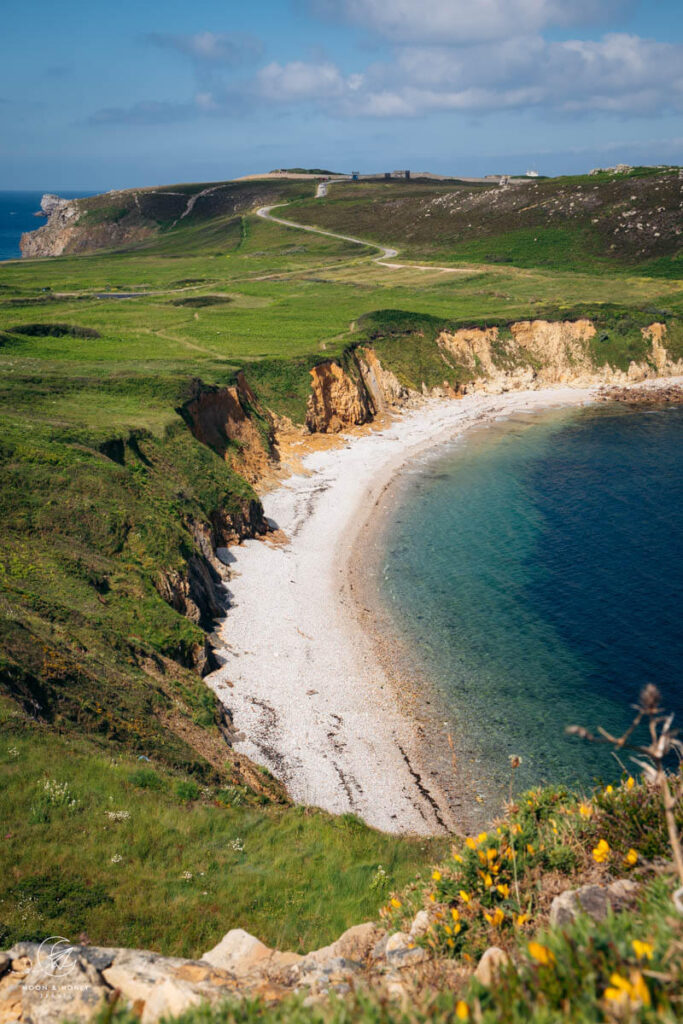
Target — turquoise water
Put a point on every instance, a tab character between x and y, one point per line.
535	571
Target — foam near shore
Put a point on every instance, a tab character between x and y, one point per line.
308	693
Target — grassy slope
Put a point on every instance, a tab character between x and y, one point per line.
83	631
301	878
603	223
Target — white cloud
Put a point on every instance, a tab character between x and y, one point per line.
619	74
299	80
458	21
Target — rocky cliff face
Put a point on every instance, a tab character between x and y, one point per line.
336	400
528	354
230	421
54	237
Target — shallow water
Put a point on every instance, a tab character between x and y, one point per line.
535	571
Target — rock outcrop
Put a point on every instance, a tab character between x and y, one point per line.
230	421
336	401
34	991
53	238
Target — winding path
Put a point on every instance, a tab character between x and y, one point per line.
386	253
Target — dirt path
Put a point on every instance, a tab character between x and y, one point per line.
386	253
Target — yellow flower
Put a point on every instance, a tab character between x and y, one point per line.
643	950
482	836
448	930
432	897
631	857
491	854
630	782
496	918
456	928
521	919
464	896
609	789
541	954
504	890
455	914
471	843
625	990
457	858
601	852
585	809
462	1010
436	875
530	850
488	881
395	903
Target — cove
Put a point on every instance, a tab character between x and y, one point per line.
534	573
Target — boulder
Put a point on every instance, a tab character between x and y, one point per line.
490	965
420	925
76	996
594	900
402	951
354	944
169	998
238	951
136	972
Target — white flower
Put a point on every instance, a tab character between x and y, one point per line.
118	815
237	845
187	875
116	859
13	752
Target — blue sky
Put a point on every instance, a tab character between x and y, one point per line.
96	96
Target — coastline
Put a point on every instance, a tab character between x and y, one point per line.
310	674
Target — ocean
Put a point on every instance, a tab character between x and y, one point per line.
534	570
16	216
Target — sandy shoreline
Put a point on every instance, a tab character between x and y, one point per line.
312	697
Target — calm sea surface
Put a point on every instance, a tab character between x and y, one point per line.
16	216
535	570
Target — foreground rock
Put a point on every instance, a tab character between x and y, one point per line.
594	900
49	985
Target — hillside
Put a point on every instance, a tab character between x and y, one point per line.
145	375
603	221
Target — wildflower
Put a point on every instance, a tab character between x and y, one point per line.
187	875
521	919
491	854
464	896
396	904
530	850
515	760
630	782
609	790
471	843
455	914
13	752
432	897
541	954
462	1010
496	918
631	858
116	859
643	950
487	880
585	809
482	837
118	815
237	845
628	990
504	890
457	858
436	876
601	852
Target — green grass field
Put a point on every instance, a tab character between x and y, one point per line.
101	484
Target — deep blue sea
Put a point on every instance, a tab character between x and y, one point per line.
16	216
535	570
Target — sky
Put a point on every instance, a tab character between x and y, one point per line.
96	96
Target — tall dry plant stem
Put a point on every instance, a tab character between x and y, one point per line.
663	743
